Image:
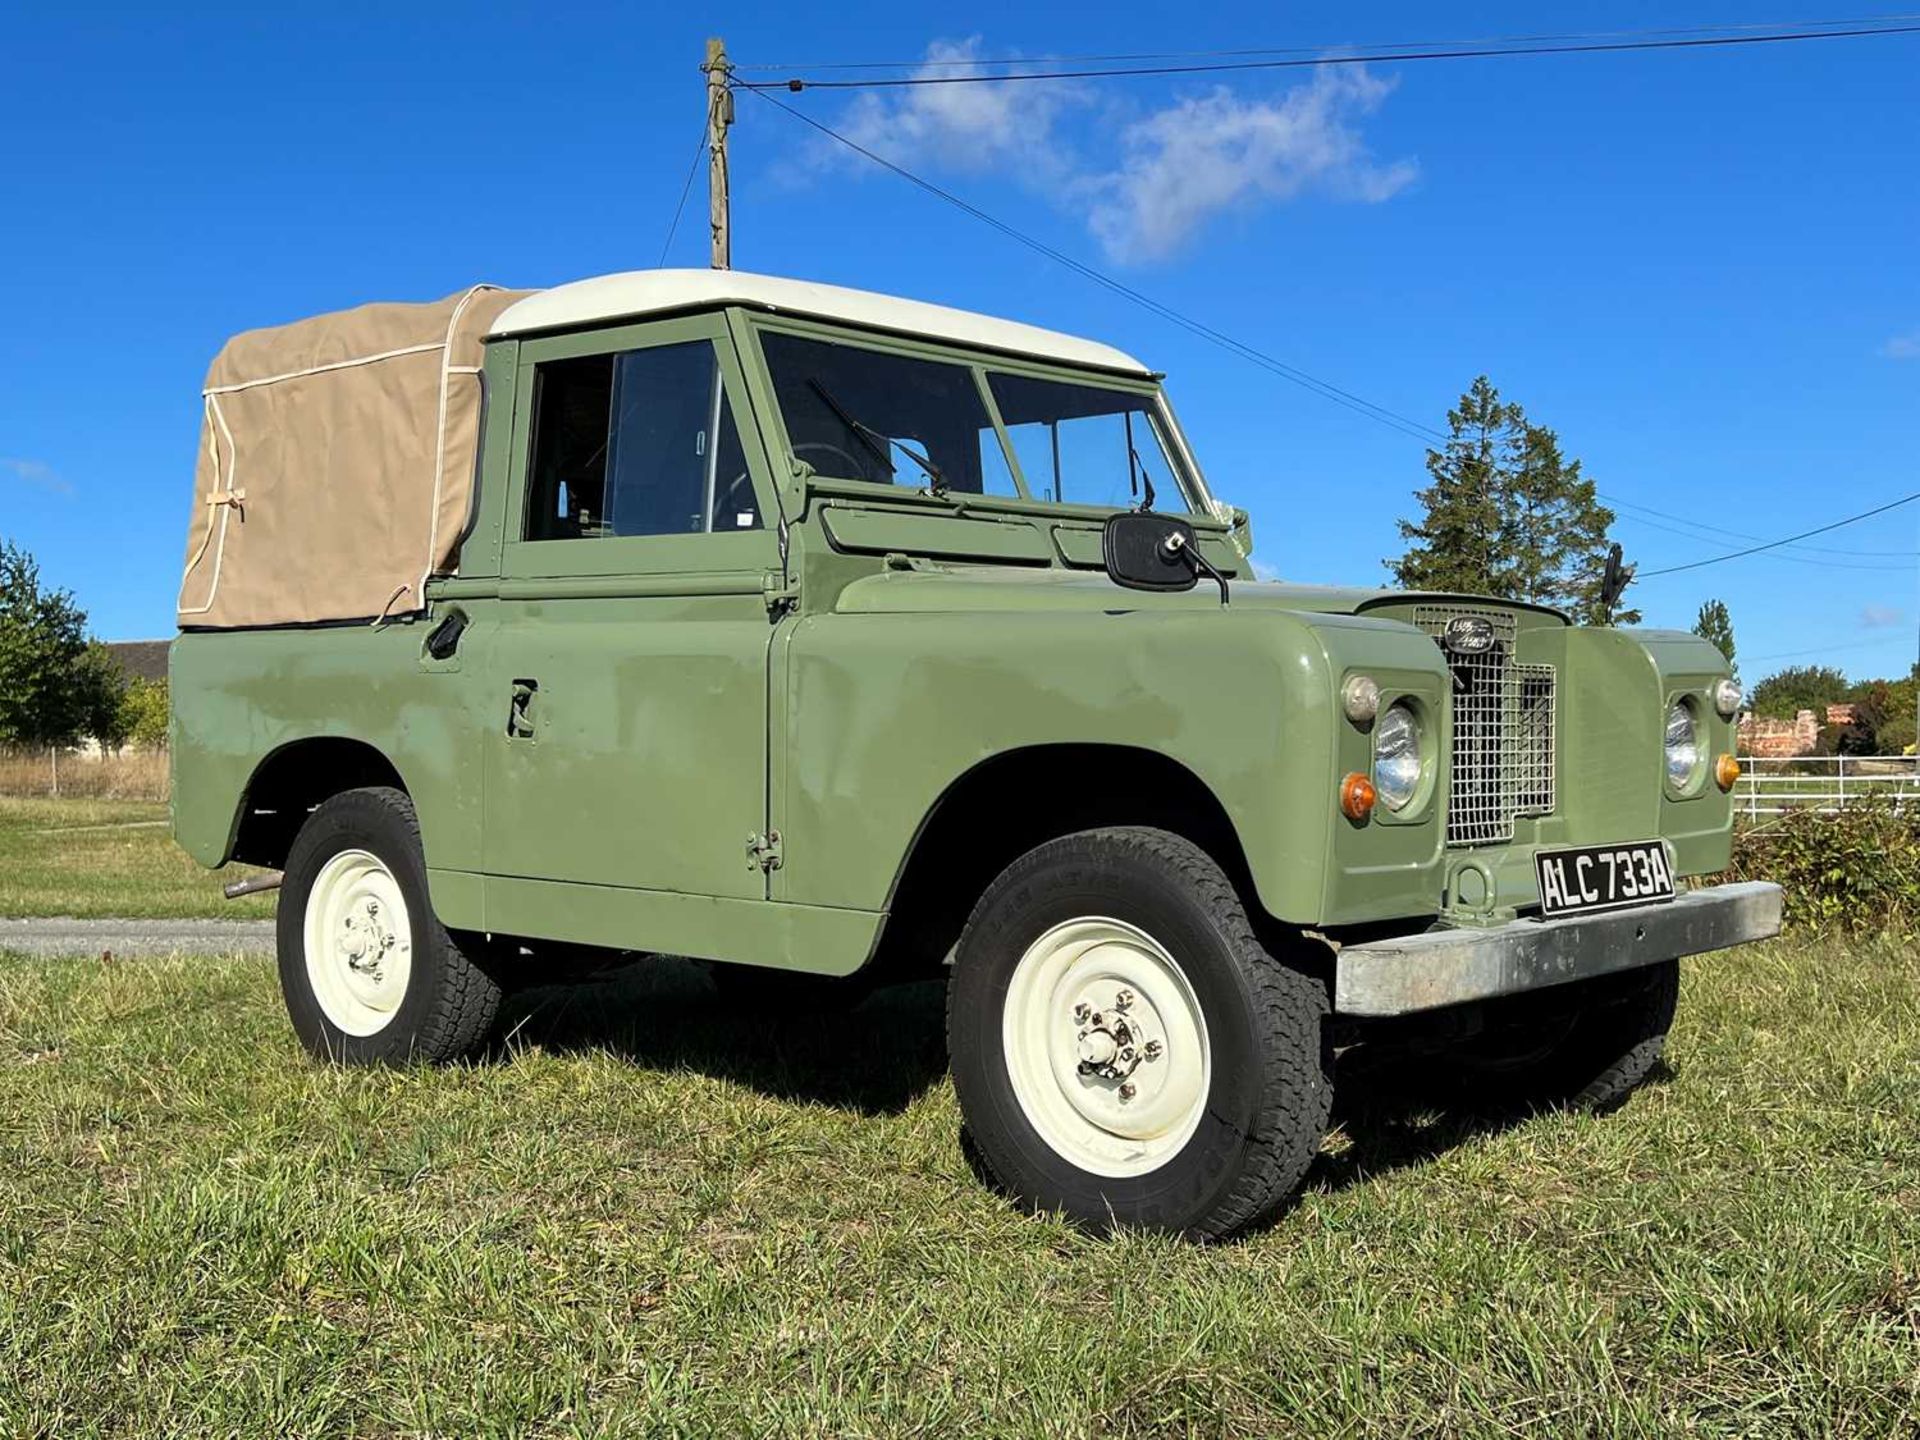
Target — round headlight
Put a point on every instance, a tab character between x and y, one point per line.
1396	756
1683	746
1728	697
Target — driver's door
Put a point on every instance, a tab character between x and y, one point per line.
628	680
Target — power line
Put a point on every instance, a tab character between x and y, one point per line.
692	170
978	62
1323	388
1776	544
1816	650
1617	502
1881	567
796	84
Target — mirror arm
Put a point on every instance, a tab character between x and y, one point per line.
1208	568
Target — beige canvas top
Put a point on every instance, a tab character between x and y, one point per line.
336	463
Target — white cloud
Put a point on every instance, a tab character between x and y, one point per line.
1184	165
1881	617
972	128
37	473
1162	176
1902	347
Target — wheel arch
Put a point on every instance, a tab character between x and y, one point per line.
293	780
987	817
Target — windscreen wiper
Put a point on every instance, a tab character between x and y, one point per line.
876	443
1146	480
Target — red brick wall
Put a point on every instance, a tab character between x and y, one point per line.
1781	739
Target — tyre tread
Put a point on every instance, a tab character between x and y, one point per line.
1289	1004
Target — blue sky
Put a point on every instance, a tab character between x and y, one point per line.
1700	268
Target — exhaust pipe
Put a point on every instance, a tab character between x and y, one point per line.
253	885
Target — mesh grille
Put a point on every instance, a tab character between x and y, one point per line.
1502	759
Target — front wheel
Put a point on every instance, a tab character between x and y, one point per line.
1124	1049
369	973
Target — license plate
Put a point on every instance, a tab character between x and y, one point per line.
1602	877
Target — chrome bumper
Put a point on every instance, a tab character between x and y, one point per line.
1447	967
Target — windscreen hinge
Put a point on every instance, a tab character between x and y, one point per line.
764	851
780	594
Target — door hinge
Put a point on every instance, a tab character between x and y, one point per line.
764	851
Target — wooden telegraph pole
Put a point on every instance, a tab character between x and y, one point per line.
719	119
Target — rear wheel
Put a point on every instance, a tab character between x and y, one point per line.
1124	1049
1584	1046
369	974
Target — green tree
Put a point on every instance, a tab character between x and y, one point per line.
44	699
1506	514
1896	731
99	696
1785	693
143	713
1716	625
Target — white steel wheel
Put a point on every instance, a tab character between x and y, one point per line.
358	939
1106	1046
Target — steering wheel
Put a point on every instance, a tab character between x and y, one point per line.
855	470
728	501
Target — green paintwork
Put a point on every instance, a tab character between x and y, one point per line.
693	692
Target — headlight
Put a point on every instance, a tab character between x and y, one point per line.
1683	746
1396	756
1727	698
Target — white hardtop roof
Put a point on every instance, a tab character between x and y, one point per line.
649	292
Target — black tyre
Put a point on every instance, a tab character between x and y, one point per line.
369	974
1125	1050
1584	1046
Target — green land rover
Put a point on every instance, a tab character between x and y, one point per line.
819	634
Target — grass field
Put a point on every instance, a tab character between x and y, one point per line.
647	1215
106	857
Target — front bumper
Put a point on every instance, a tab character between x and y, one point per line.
1447	967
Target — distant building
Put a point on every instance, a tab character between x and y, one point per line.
140	659
1841	715
1771	739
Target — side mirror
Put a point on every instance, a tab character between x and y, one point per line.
1148	551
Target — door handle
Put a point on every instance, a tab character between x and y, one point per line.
444	638
520	710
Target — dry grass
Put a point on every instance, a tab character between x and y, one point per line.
107	858
132	775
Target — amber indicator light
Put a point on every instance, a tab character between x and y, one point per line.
1356	796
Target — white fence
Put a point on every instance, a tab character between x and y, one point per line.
1827	782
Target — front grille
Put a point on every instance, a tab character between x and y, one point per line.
1501	763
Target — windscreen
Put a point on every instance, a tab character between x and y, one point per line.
859	414
1086	445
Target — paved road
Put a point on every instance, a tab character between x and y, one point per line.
137	937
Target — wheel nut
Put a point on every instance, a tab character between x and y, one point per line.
1127	1091
1081	1012
1123	999
1153	1050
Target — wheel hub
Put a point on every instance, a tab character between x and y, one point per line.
1114	1042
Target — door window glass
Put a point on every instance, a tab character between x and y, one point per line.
642	442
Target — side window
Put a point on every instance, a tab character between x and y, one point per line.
642	442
